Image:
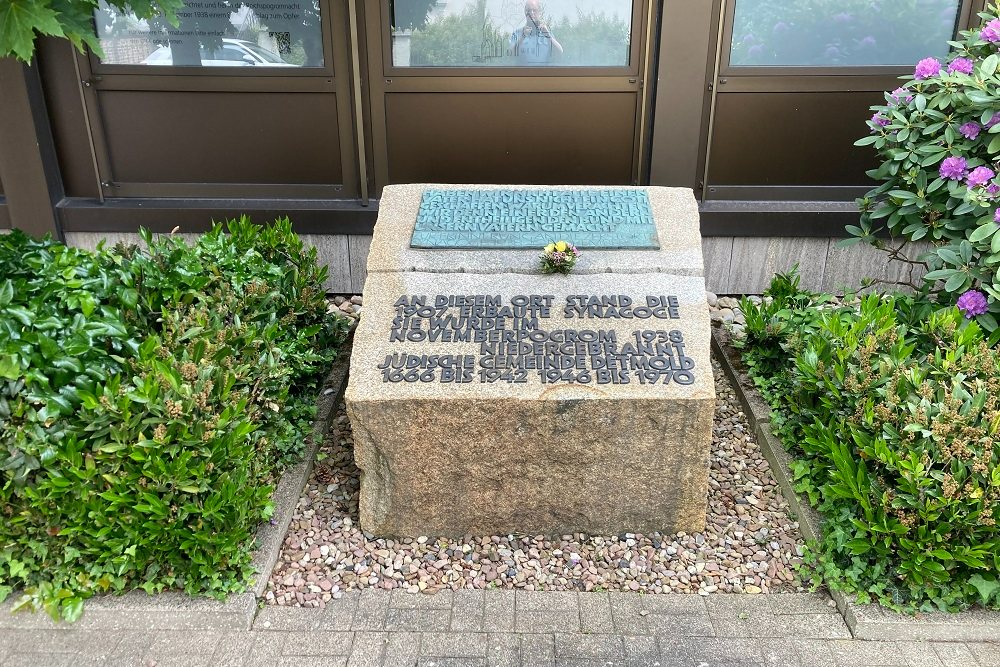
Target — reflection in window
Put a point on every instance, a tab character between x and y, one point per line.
510	33
840	33
216	33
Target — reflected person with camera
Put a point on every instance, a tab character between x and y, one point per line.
534	44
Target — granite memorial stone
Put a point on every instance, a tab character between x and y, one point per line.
512	402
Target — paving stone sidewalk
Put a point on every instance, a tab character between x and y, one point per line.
507	628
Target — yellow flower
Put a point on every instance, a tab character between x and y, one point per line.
550	248
561	246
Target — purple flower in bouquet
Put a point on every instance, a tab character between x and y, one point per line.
972	303
954	168
991	31
993	189
980	176
970	130
880	120
559	257
961	65
927	68
993	121
996	216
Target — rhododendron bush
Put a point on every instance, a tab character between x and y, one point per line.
939	139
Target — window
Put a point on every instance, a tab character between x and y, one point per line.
216	33
511	33
840	33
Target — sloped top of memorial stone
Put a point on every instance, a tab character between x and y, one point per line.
575	337
674	213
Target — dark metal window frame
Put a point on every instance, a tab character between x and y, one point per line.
385	78
729	79
333	77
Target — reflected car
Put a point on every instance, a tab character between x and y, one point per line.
229	53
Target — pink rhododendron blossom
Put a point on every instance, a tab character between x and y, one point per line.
927	68
970	130
991	31
897	95
972	303
954	168
961	65
980	176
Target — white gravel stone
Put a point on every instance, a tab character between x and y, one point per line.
750	544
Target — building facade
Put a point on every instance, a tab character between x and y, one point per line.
307	108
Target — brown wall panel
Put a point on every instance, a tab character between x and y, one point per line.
518	138
791	139
67	117
222	137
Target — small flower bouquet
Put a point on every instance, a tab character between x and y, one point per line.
559	257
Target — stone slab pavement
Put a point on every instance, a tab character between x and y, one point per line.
507	628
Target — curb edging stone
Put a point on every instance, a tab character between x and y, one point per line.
866	621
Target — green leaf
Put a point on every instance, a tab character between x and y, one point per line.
20	20
983	232
989	66
949	256
956	282
9	368
987	587
940	274
994	146
22	315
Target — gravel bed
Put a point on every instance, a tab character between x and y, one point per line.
751	544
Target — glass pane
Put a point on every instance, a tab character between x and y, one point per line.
840	33
216	33
511	33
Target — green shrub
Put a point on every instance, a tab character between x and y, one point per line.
892	411
161	469
61	332
774	330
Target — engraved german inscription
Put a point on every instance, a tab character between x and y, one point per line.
514	340
517	218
